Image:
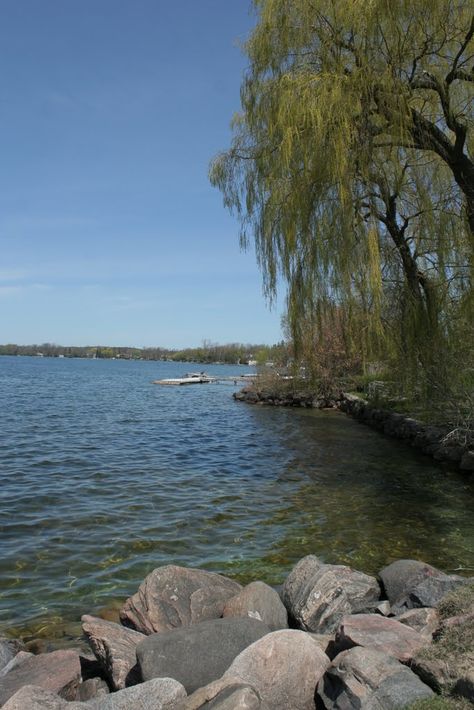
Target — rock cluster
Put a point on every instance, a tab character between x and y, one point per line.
430	439
190	639
252	395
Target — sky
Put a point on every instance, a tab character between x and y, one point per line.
110	232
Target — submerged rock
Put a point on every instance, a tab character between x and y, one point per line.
173	596
198	654
318	595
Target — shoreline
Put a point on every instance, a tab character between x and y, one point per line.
430	439
208	638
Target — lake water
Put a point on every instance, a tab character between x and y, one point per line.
105	476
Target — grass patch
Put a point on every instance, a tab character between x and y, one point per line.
454	648
458	602
451	655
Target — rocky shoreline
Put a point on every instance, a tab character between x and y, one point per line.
331	638
432	440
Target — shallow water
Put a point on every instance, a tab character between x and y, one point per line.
105	476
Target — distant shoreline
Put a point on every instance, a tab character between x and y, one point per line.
229	354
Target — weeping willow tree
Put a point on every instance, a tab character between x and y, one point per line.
352	167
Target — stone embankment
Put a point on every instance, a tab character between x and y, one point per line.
432	440
333	638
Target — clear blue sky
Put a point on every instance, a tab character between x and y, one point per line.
109	229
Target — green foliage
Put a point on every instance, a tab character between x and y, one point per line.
351	165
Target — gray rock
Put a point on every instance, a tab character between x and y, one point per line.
8	650
114	647
425	620
59	672
199	654
434	672
317	595
430	591
284	667
173	596
259	601
15	661
385	635
32	697
400	577
92	688
369	680
155	694
224	694
384	608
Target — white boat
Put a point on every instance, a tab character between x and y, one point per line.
190	378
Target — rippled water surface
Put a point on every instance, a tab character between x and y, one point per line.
105	476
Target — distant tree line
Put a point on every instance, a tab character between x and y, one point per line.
232	353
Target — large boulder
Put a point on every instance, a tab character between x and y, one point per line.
59	672
114	647
173	596
284	668
199	654
410	584
259	601
401	576
8	650
430	591
369	680
227	693
384	635
318	595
